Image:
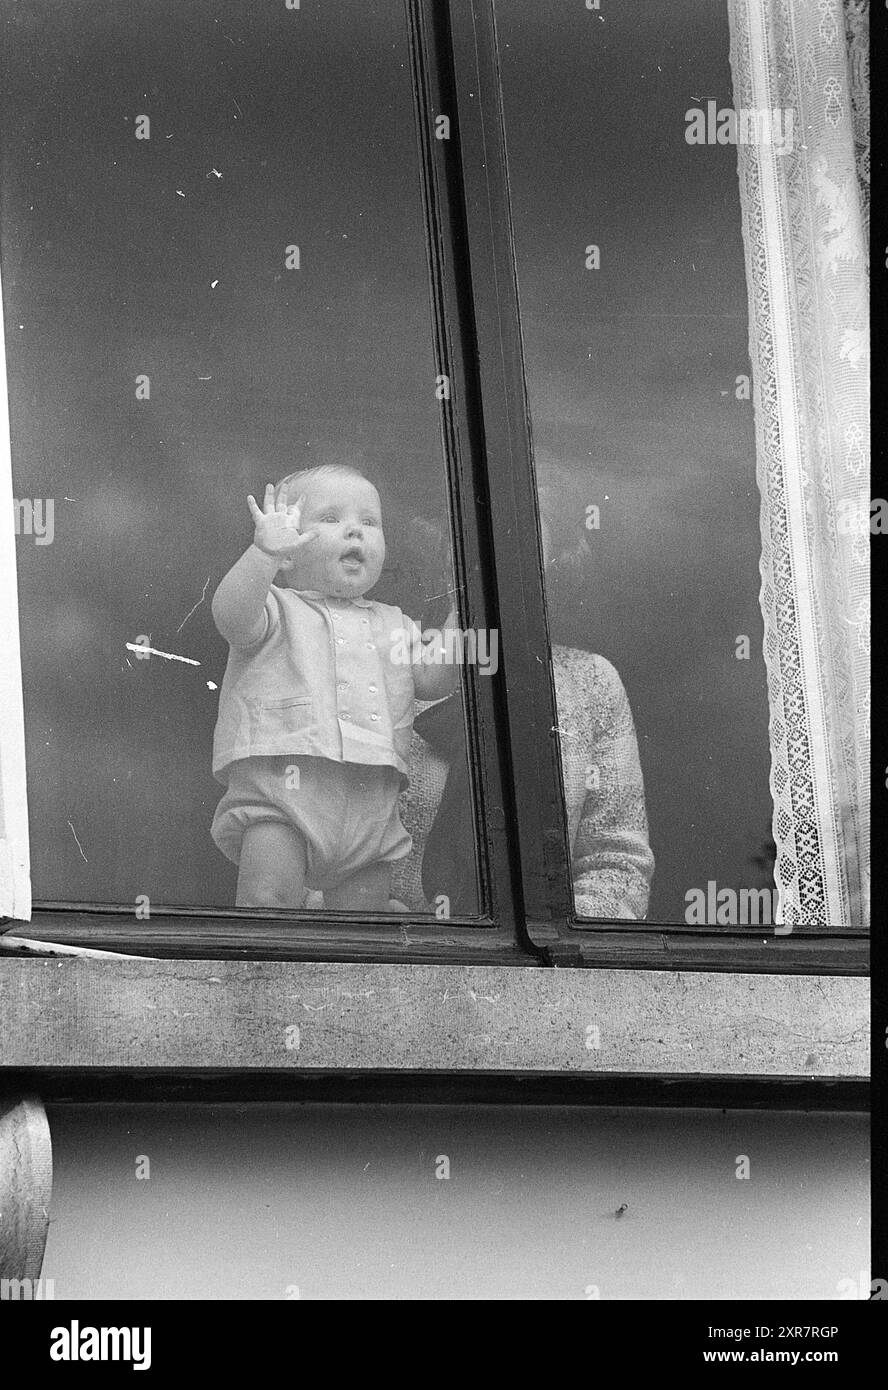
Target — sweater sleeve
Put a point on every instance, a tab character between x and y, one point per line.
611	859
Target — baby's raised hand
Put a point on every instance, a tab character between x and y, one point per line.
277	527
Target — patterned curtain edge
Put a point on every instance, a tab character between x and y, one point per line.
821	860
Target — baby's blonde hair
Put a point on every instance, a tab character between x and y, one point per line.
295	483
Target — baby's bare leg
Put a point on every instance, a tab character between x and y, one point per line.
272	866
366	890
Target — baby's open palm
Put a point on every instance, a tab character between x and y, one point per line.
278	526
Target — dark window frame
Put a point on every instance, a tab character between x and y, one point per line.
528	915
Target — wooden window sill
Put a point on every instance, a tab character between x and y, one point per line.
204	1018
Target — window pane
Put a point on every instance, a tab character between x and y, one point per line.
215	275
634	315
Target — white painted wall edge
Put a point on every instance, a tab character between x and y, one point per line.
15	868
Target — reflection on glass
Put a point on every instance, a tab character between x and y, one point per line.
633	302
215	278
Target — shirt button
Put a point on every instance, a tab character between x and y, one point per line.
372	689
340	641
343	685
374	716
345	714
371	646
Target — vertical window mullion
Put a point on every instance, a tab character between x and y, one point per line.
463	442
539	820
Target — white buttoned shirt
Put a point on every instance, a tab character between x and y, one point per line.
327	678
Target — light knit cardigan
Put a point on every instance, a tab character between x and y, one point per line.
606	819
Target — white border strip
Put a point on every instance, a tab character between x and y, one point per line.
778	257
15	859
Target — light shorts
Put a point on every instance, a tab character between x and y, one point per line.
346	812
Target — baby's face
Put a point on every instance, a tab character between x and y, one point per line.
347	556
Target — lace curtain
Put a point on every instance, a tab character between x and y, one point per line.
804	225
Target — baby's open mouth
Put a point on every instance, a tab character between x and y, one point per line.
354	554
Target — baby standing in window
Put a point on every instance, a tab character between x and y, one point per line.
316	707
